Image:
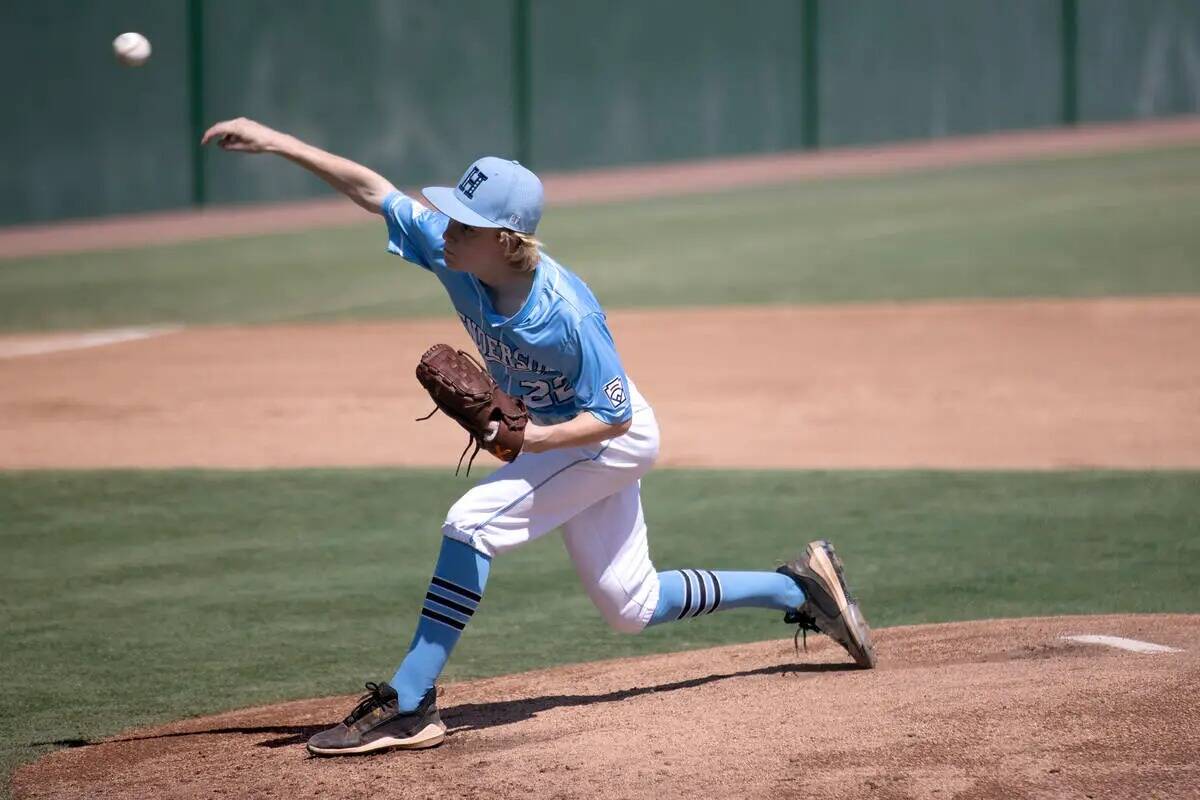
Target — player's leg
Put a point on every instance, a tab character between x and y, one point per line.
688	593
519	502
454	592
811	591
403	713
608	546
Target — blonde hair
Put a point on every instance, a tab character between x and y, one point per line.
521	249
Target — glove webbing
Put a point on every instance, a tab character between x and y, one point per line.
470	439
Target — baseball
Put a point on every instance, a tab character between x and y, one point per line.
131	49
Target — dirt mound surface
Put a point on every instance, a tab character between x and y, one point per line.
996	384
988	709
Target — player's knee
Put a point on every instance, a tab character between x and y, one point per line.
460	515
622	613
462	524
622	620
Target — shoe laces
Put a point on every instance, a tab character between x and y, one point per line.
804	623
369	702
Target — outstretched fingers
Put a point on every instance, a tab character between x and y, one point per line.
218	131
237	134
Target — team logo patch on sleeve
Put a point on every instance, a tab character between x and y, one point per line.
616	392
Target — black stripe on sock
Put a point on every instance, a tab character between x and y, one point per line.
712	589
687	595
716	590
466	611
442	618
450	587
703	593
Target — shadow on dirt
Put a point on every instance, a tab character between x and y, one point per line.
478	716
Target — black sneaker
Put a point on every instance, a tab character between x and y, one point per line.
829	608
376	723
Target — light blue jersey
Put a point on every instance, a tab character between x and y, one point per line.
556	352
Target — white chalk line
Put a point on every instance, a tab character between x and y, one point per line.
20	346
1134	645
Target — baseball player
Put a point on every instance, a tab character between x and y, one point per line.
590	438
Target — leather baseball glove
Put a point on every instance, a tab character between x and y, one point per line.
466	393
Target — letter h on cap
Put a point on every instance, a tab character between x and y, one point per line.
471	182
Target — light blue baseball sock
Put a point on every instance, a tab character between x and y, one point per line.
454	593
685	593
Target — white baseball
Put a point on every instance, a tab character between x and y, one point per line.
131	49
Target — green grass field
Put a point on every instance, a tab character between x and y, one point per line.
1074	227
134	597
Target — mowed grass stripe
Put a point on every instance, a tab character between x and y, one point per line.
1074	227
135	597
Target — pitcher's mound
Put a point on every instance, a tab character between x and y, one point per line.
982	709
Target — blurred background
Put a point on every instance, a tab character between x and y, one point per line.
417	89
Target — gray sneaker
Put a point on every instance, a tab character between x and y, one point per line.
829	608
377	723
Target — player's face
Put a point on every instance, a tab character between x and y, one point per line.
469	248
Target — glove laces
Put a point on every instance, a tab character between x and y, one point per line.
471	440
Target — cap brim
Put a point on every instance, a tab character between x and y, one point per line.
443	199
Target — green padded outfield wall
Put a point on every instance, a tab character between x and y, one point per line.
416	89
919	68
642	80
80	134
1138	58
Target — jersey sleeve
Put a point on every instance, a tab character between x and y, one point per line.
415	233
601	386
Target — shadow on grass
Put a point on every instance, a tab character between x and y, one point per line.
479	716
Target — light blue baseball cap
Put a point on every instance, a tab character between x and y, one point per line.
493	193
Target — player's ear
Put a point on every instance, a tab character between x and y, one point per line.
499	239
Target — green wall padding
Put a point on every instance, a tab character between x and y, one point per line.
1138	59
646	80
922	68
415	90
80	134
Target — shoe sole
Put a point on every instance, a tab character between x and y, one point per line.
430	736
824	561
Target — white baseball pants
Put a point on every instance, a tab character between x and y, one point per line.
594	492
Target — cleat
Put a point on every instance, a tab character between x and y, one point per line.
829	608
377	723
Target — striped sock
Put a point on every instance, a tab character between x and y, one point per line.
687	593
454	593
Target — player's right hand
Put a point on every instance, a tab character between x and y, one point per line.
241	134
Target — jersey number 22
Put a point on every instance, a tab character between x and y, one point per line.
547	393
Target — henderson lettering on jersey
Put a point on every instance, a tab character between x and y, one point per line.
492	349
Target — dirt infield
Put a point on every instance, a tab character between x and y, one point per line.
1111	383
654	180
999	709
